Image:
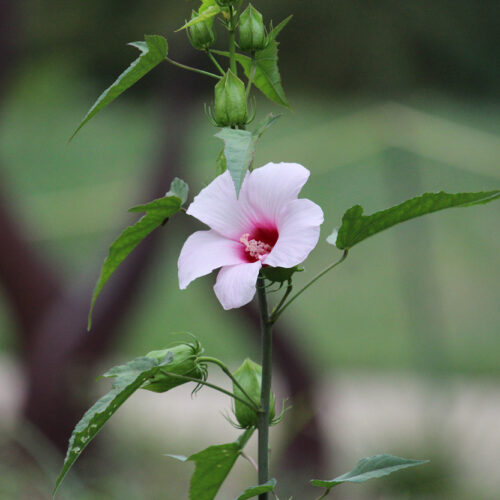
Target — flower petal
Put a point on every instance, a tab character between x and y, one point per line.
270	188
235	285
203	252
298	227
217	206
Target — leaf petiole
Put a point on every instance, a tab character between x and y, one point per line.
225	369
208	384
190	68
276	314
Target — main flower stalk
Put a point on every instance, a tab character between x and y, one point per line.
263	420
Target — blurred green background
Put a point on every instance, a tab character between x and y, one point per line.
389	99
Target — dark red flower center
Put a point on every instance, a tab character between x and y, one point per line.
259	243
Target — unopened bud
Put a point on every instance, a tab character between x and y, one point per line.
252	30
201	34
249	376
185	362
230	101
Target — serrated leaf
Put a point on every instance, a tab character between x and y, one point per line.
356	227
257	490
180	189
153	51
212	466
370	468
157	212
129	378
277	30
267	76
205	13
239	149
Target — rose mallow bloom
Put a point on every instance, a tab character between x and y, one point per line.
267	225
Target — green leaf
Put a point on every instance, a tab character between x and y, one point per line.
153	51
257	490
129	378
239	149
212	466
267	76
370	468
205	13
180	189
157	213
220	163
276	31
356	227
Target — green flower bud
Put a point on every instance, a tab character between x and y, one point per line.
201	34
185	362
252	31
249	376
230	101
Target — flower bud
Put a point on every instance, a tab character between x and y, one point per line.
185	362
249	376
230	101
252	31
201	34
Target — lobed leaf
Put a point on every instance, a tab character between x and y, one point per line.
206	12
370	468
157	212
257	490
267	76
180	189
356	227
153	51
129	378
239	149
277	30
212	466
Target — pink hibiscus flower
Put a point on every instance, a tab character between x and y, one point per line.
266	226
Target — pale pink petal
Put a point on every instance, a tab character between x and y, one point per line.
205	251
269	188
298	227
235	285
216	205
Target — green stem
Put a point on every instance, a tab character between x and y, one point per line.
190	68
208	384
252	75
282	301
279	311
263	418
323	495
216	63
232	42
225	369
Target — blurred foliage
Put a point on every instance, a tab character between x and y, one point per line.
345	46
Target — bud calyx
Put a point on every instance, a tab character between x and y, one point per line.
249	376
201	34
252	31
230	101
185	362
